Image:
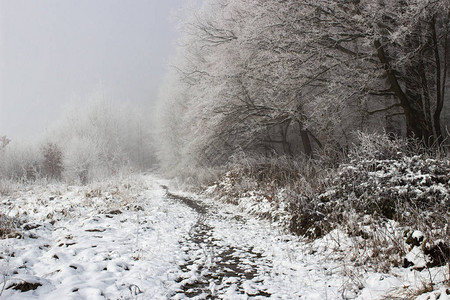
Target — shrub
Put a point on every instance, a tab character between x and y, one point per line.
383	187
52	163
9	227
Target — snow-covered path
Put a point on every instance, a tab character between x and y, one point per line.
233	256
214	268
153	245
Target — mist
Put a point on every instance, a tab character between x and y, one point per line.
224	149
57	52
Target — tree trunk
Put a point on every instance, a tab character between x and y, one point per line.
306	141
284	137
440	81
410	101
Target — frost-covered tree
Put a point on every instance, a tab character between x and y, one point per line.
333	55
103	138
392	49
289	76
21	162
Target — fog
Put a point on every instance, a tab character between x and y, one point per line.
57	52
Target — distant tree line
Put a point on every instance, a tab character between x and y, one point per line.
95	141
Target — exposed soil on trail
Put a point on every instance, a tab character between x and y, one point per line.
200	209
213	268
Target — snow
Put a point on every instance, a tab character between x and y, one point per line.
417	234
376	285
128	239
441	294
93	254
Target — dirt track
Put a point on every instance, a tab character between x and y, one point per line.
213	268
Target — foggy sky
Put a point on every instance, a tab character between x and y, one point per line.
56	51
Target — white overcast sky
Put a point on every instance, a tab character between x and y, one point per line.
55	51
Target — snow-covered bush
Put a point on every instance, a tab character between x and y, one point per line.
386	187
413	191
380	194
9	227
377	146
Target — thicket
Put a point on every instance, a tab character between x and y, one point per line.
381	181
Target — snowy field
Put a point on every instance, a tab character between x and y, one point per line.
134	240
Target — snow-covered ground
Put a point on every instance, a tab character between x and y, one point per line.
133	240
94	244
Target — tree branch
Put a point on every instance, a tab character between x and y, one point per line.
384	109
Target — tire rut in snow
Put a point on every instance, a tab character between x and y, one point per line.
189	202
214	268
